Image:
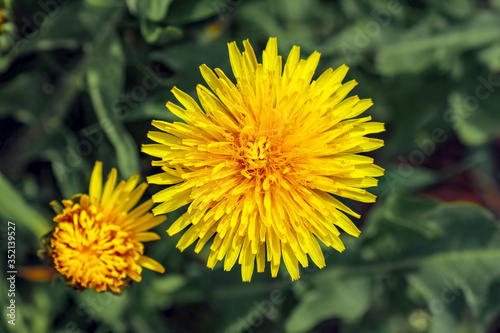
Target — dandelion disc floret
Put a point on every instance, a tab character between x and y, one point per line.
97	242
261	161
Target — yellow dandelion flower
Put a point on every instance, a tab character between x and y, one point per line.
258	162
97	242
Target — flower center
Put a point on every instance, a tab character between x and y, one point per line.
257	154
261	157
91	253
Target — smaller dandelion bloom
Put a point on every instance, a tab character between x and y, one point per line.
262	160
97	242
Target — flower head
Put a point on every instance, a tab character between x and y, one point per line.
258	161
97	242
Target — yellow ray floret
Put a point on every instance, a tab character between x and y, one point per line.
97	242
261	161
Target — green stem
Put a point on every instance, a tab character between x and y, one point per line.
18	211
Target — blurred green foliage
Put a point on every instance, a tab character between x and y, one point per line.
82	79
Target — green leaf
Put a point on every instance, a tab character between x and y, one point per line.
492	309
13	96
68	27
459	9
184	59
154	10
263	19
490	56
406	177
334	295
62	149
160	292
15	209
351	8
465	259
69	85
105	83
39	311
395	224
169	284
106	307
153	108
408	53
155	33
475	117
447	252
150	14
187	11
133	6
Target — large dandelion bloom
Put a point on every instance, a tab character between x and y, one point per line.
97	242
259	162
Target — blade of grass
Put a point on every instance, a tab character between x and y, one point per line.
15	209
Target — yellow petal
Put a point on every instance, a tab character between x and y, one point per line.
151	264
260	161
146	237
147	222
96	183
109	187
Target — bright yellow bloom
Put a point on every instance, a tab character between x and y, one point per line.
98	239
257	163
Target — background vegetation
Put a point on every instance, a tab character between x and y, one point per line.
81	81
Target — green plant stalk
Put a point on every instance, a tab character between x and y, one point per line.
17	210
